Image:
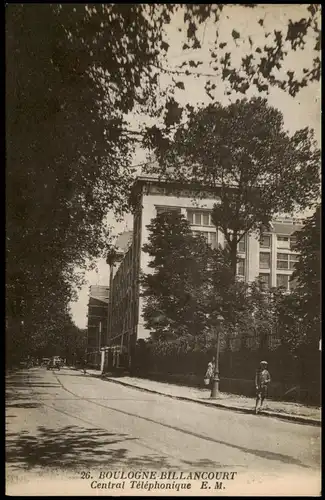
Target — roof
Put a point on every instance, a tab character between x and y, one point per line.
100	292
147	179
287	228
282	224
99	289
97	301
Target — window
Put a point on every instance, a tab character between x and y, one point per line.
206	219
265	278
190	217
213	239
283	242
282	261
199	218
282	280
293	241
242	245
286	261
209	236
241	267
264	260
292	260
161	210
265	241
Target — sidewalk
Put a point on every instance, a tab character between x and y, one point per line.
280	409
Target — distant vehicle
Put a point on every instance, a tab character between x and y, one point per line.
24	363
45	361
54	363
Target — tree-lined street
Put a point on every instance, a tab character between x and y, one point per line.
116	110
60	424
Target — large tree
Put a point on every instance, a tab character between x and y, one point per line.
189	283
307	271
307	274
299	313
243	152
73	72
178	262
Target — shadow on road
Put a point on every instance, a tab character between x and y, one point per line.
32	384
17	389
62	374
23	405
269	455
74	447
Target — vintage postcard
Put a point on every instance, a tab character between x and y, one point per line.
163	250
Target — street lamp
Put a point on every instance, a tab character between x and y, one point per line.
215	384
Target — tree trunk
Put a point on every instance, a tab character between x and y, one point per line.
233	257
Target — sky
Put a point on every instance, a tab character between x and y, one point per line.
298	112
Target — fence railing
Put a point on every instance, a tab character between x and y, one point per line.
251	342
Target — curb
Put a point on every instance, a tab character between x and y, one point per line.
281	416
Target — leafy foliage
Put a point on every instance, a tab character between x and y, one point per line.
51	333
191	279
189	286
244	153
73	72
307	271
266	60
298	315
179	263
306	300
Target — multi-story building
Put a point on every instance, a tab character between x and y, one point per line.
97	322
269	257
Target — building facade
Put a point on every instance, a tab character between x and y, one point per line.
269	257
97	323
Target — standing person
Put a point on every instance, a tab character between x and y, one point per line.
262	380
208	378
84	365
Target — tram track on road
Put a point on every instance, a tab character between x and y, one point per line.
77	397
152	421
140	417
271	456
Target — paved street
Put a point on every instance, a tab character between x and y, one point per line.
62	425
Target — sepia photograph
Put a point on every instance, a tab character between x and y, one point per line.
163	249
